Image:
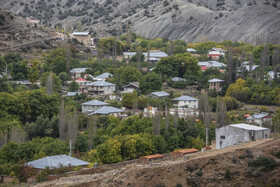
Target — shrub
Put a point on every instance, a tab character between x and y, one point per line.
228	174
234	160
263	163
249	153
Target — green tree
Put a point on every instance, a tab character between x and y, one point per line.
150	82
56	81
239	91
55	61
34	70
125	75
19	70
73	86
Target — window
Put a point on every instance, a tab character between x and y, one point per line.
223	137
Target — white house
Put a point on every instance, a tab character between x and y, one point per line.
154	56
100	88
92	106
187	102
215	53
211	64
183	112
108	110
259	118
239	133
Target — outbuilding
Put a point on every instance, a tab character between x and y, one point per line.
239	133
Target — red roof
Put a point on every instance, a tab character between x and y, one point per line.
81	80
152	156
186	151
203	67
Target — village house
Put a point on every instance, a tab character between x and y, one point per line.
92	106
187	102
100	88
216	84
154	55
216	53
259	118
160	94
83	37
239	133
108	110
130	87
78	73
211	64
150	111
73	94
103	77
191	50
183	112
82	84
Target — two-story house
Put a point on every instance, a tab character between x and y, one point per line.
100	88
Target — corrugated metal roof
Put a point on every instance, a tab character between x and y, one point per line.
129	53
185	98
216	80
191	50
100	83
71	94
160	94
104	76
107	110
178	79
94	103
56	162
156	54
247	126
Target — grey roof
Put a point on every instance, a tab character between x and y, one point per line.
160	94
80	33
105	110
258	116
247	67
129	53
100	83
104	76
217	49
247	126
78	70
158	54
213	64
191	50
178	79
135	84
71	94
216	80
94	103
185	98
56	162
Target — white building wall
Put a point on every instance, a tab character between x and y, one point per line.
234	136
188	104
86	108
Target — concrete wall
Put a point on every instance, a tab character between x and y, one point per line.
234	136
85	108
188	104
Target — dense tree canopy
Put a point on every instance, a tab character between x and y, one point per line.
150	82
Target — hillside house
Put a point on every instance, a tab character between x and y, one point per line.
259	118
150	111
183	112
92	106
83	37
191	50
100	88
128	55
178	79
72	94
216	53
239	133
77	73
154	56
187	102
211	64
108	110
131	87
216	84
160	94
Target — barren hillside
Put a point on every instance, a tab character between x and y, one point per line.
190	20
241	165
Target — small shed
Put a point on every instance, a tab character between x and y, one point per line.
160	94
181	153
151	157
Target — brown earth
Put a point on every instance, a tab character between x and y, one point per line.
199	169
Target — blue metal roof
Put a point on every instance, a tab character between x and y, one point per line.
94	103
185	98
56	162
71	94
105	110
160	94
178	79
100	83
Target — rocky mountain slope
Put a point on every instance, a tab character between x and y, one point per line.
17	34
251	164
254	21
